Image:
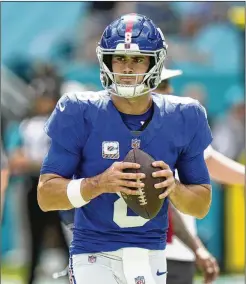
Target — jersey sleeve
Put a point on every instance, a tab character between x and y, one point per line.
60	161
67	129
198	131
193	171
191	165
66	125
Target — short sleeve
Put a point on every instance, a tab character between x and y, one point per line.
66	125
200	136
60	161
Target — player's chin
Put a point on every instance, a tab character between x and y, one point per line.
128	82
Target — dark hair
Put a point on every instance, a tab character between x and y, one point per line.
164	84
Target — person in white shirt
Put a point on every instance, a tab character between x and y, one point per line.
180	258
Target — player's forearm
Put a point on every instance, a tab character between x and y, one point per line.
180	230
194	200
200	251
52	191
225	170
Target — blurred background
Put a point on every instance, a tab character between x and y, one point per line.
49	48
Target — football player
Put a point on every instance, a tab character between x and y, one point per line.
92	132
183	236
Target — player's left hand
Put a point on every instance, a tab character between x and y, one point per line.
166	172
207	264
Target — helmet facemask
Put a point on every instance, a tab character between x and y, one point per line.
151	78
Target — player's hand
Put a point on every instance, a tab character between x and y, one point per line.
166	172
207	264
115	180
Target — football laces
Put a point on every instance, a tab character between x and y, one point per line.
142	196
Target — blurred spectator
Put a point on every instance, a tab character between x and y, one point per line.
27	159
13	215
101	7
182	53
63	51
162	14
21	66
229	130
199	35
46	82
100	14
196	91
72	86
220	40
84	68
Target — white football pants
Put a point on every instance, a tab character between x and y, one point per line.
124	266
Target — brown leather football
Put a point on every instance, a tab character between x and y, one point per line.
148	204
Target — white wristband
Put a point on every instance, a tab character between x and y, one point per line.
74	195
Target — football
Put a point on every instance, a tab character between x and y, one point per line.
148	204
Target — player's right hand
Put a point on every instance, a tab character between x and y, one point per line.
114	180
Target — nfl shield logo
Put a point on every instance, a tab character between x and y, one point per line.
135	143
140	280
92	259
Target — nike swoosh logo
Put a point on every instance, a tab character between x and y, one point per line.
158	273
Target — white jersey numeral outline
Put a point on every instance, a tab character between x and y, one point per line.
122	220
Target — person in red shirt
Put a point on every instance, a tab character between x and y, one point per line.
170	227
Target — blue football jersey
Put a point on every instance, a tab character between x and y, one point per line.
89	127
